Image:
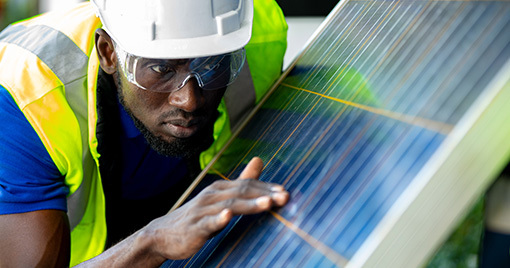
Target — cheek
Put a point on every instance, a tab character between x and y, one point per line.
143	105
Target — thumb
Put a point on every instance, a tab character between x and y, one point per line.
253	169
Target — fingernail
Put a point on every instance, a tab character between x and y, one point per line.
277	188
280	197
263	201
223	215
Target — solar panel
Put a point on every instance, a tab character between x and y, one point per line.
386	128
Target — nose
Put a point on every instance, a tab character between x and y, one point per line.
189	97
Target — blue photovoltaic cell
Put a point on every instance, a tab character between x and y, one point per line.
356	118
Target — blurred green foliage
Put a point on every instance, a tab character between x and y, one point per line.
14	10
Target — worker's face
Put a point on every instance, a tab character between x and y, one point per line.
179	123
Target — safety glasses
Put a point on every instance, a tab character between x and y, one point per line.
168	75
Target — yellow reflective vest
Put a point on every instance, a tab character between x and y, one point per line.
49	66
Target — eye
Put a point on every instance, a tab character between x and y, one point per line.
162	69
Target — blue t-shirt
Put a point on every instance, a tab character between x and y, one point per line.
29	180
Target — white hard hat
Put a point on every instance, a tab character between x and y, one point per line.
177	29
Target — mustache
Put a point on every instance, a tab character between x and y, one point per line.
178	113
186	119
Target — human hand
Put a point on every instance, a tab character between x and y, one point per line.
183	232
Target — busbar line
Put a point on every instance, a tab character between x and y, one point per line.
440	127
388	53
219	174
329	253
189	260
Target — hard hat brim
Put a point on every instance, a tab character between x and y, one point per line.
186	48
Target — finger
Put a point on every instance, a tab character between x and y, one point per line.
244	206
224	217
226	210
253	169
211	224
242	189
254	189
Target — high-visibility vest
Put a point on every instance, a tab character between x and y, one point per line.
49	66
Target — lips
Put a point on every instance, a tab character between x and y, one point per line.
181	128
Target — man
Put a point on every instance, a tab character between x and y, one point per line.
495	243
106	120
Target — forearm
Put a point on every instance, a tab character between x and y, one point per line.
134	251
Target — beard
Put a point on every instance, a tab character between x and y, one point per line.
187	148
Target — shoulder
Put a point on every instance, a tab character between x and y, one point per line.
29	180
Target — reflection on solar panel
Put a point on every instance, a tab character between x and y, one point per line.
389	124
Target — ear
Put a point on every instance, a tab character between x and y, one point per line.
106	52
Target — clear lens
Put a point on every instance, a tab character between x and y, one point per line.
165	75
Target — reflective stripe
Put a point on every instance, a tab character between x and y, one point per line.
31	38
76	95
56	50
